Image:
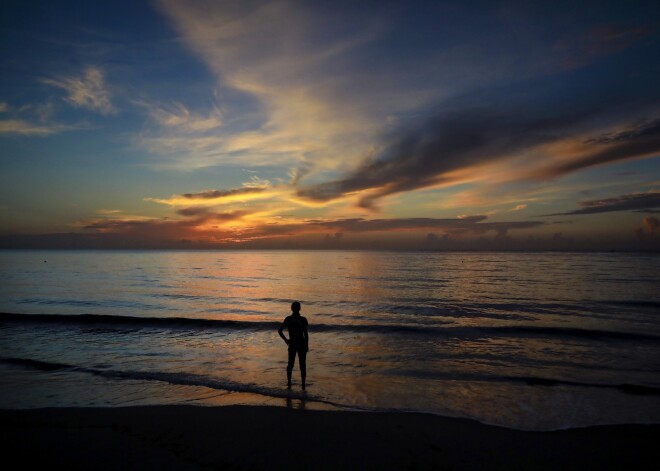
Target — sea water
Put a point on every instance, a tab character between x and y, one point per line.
534	341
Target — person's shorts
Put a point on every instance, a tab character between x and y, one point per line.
298	347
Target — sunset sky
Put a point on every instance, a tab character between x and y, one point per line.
371	124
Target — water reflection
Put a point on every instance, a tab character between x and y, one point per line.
447	333
297	403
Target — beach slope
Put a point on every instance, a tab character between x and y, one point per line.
252	437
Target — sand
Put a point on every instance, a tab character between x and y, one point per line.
253	437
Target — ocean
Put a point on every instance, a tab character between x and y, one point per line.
531	341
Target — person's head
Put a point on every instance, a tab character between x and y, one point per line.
295	306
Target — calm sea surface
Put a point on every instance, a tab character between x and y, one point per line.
534	341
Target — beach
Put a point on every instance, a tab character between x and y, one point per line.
253	437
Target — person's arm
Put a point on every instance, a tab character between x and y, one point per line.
280	331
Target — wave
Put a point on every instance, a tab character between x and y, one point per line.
190	379
133	322
521	331
636	389
180	379
36	364
634	303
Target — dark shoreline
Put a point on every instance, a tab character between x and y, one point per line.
261	437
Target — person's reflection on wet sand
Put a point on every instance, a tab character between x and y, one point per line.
297	403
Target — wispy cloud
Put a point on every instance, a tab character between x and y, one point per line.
33	120
109	212
88	90
292	64
255	189
220	194
25	128
177	115
629	202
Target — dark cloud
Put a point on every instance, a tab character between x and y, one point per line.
210	194
638	141
425	154
158	229
630	202
652	224
193	211
642	130
472	224
421	156
136	233
204	214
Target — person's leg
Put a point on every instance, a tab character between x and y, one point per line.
302	358
289	366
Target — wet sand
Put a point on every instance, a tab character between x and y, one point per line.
253	437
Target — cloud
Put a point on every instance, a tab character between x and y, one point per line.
193	211
255	189
206	215
21	127
652	224
177	115
113	230
108	212
639	140
86	91
293	68
628	202
465	225
198	224
487	144
433	151
299	172
205	225
219	194
323	100
519	207
38	122
641	130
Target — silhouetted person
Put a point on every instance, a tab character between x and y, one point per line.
298	341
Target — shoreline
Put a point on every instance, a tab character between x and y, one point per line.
267	437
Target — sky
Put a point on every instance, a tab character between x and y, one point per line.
416	125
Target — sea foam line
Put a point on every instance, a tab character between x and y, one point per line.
520	331
190	379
